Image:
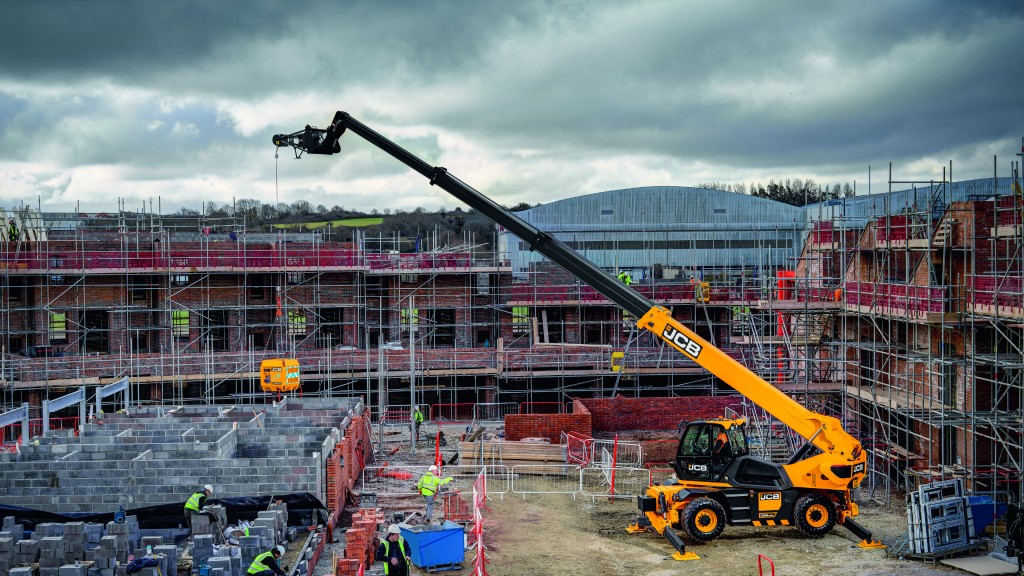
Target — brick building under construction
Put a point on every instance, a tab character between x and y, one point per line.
901	313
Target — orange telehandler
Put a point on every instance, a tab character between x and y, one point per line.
717	481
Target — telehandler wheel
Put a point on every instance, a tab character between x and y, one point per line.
815	515
704	519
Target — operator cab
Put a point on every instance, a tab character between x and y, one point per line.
707	448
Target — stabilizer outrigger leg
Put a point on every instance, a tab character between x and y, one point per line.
863	533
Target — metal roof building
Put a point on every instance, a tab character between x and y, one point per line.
688	231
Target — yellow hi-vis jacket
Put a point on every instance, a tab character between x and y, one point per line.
387	552
193	501
429	483
258	565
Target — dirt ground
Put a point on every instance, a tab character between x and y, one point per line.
555	534
548	534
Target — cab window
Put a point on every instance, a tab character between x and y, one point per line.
696	442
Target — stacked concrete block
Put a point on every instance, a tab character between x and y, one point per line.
73	570
51	554
6	554
21	571
267	526
203	525
202	549
104	557
26	551
74	541
278	527
93	533
47	529
170	555
121	533
11	530
251	546
220	564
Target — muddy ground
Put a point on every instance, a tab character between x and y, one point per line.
556	534
550	534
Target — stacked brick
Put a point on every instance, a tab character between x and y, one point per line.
359	540
550	426
622	414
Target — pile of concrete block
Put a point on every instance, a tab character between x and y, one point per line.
251	546
220	566
122	536
51	554
26	551
6	554
74	541
170	554
72	570
202	549
212	521
11	530
104	558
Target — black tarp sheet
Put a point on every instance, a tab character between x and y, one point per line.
304	509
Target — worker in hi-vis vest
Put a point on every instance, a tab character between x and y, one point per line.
428	486
417	419
392	553
266	564
195	504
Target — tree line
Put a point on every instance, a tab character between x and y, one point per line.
794	192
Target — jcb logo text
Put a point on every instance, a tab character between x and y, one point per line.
681	341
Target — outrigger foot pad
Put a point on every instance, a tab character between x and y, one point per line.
868	544
685	556
635	529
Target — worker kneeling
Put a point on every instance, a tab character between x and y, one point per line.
392	553
266	564
428	486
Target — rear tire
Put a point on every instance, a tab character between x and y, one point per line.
815	515
704	519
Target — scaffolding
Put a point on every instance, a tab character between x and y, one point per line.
906	325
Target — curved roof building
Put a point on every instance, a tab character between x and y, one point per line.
689	230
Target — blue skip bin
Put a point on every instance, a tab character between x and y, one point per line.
436	547
984	511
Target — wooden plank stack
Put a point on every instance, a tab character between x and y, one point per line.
514	453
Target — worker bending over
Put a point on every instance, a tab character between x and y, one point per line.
428	485
195	504
392	554
266	564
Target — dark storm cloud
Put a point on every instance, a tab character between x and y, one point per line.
528	100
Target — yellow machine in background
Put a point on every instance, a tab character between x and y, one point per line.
279	375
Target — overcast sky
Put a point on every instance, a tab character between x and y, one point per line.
528	101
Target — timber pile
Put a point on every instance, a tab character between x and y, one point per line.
524	454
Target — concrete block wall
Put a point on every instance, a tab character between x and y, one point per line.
160	456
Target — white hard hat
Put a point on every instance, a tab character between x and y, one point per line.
280	549
394	529
432	468
208	488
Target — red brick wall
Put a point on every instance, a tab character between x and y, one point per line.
620	414
550	426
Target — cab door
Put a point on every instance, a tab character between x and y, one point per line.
693	457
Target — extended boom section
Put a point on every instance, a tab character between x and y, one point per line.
718	482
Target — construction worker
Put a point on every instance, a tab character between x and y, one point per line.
721	445
625	278
395	558
428	486
12	231
266	564
417	419
195	504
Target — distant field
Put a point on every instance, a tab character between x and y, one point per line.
349	222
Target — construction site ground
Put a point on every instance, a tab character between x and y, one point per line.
557	533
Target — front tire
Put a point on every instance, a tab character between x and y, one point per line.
815	515
704	519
